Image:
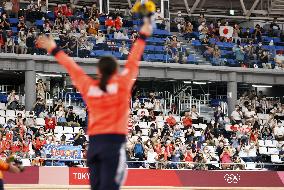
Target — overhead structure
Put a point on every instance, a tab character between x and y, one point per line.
194	6
252	8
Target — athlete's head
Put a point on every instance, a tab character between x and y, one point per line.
107	67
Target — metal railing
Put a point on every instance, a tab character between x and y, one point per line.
213	165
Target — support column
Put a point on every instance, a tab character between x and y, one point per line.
104	6
30	85
232	91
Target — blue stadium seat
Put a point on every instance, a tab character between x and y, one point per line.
50	15
39	22
14	29
159	48
13	20
191	59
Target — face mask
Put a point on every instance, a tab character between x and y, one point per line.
219	109
179	15
206	151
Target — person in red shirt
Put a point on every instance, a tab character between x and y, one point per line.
110	24
38	143
50	122
187	121
108	100
118	23
171	121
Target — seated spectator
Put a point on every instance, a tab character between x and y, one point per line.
216	55
39	107
152	157
240	54
171	121
110	24
80	139
13	101
177	133
236	34
226	158
188	30
22	47
179	21
187	120
142	109
118	23
50	122
237	115
194	115
40	89
38	144
72	118
279	132
258	33
138	150
124	50
30	122
93	27
8	6
159	19
264	60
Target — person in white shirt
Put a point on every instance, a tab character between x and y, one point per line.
117	35
8	6
250	115
142	109
159	19
100	38
149	105
136	105
194	115
236	116
152	156
279	132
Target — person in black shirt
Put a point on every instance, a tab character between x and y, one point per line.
4	23
80	139
71	117
30	42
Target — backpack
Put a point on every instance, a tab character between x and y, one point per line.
138	149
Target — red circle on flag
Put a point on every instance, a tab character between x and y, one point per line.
225	31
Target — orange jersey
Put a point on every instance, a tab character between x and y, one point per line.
108	112
3	167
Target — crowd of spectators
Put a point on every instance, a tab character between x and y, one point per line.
256	47
226	142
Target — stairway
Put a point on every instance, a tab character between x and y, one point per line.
200	60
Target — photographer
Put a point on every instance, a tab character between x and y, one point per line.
226	158
200	161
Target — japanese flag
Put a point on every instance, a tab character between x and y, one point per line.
226	31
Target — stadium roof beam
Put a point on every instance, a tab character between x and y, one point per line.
202	3
194	6
243	7
186	6
252	8
129	3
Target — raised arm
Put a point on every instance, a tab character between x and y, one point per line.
79	78
131	69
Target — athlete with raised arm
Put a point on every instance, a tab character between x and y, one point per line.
108	101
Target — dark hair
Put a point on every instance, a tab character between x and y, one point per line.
107	66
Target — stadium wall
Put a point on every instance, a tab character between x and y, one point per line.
147	177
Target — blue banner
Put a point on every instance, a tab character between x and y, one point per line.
62	151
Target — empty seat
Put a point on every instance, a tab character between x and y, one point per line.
10	113
143	125
76	129
145	132
261	142
144	138
263	150
159	118
2	120
273	151
177	118
275	159
26	162
40	122
160	124
58	130
268	143
68	130
2	113
2	106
